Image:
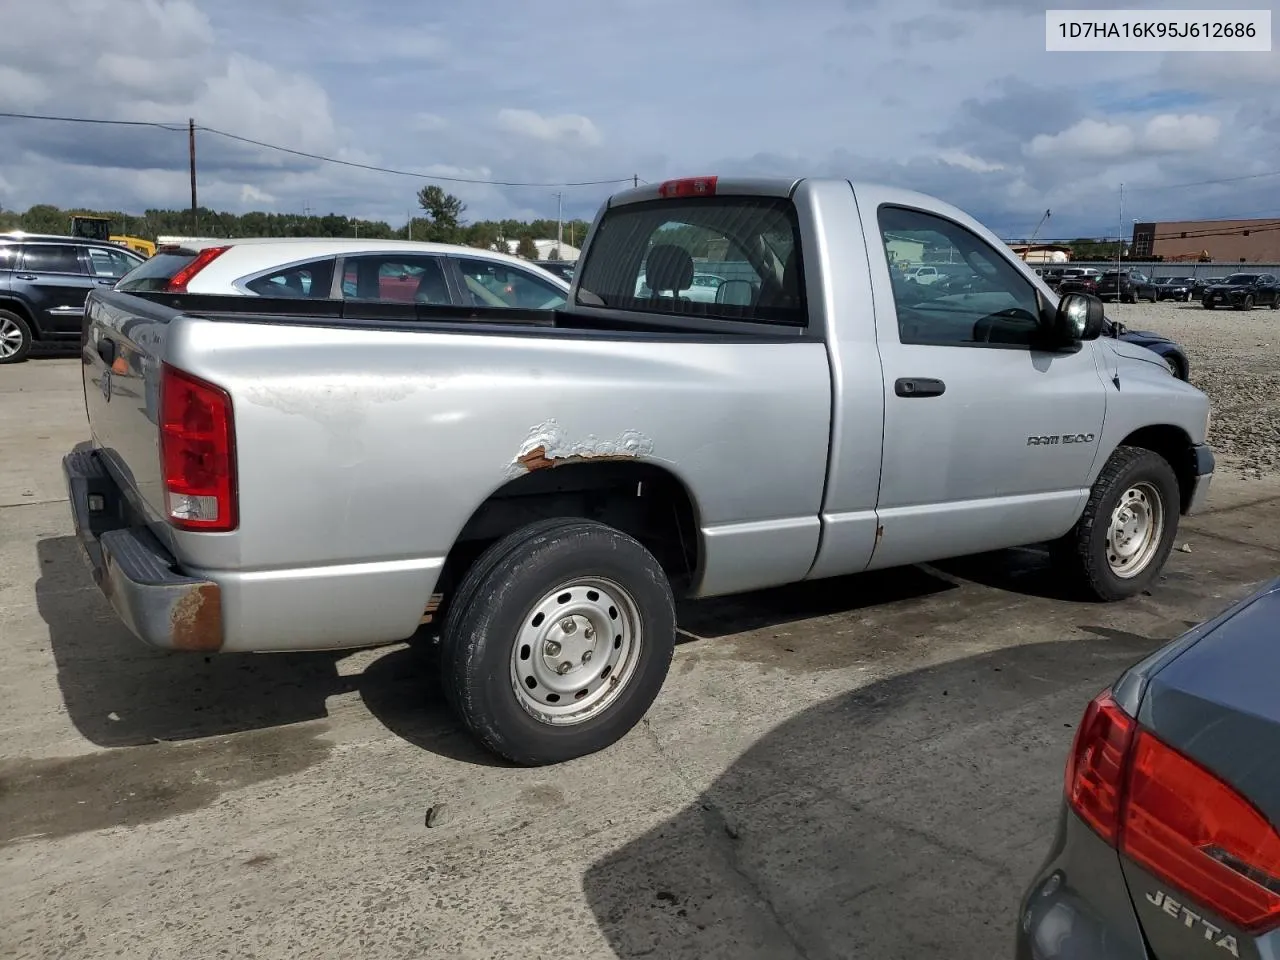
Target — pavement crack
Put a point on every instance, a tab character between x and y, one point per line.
1223	538
30	503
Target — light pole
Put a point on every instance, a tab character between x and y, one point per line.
559	223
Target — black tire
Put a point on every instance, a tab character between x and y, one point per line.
1247	304
1082	555
14	325
1207	304
487	614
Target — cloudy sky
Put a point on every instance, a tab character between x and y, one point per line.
955	97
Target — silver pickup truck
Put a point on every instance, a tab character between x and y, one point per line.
536	487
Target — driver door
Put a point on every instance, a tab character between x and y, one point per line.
988	443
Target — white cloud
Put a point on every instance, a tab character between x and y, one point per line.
1173	133
1099	140
428	122
967	161
565	126
249	194
1088	139
20	90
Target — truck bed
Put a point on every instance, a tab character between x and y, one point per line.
366	436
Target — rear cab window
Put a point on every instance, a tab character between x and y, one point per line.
721	257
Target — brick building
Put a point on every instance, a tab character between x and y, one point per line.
1224	241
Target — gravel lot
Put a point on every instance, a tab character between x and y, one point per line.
1235	359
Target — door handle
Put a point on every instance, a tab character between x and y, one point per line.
919	387
107	283
107	351
27	276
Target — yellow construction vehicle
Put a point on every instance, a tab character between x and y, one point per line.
99	228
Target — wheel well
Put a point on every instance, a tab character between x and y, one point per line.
20	308
643	500
1175	446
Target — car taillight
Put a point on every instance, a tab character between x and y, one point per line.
1184	824
197	453
1095	768
178	282
1173	817
689	187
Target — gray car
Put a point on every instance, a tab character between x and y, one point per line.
1166	845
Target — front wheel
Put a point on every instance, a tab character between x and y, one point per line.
1248	303
1121	542
558	641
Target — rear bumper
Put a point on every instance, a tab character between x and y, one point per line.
1202	478
161	605
1078	905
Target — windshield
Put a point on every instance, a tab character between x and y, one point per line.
1242	278
730	258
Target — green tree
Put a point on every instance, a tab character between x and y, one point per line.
444	212
554	254
526	248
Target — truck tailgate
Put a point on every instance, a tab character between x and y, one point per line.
121	364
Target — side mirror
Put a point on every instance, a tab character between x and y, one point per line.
1079	317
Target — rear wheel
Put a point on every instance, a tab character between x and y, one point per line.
558	641
1207	304
1122	540
15	337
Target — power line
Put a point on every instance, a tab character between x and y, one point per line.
173	127
405	173
1205	183
180	127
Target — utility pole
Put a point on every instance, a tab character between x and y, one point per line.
191	150
409	226
559	222
635	180
1120	245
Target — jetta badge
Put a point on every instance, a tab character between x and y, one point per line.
1193	921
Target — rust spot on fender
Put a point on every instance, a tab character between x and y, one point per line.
537	459
547	445
196	620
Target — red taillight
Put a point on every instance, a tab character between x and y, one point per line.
1184	824
1175	818
178	282
197	453
1095	769
689	187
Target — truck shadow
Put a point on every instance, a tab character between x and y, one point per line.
119	692
902	819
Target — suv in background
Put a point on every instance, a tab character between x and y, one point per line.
1243	291
44	281
1079	280
1129	286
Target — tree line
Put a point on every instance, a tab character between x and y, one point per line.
441	220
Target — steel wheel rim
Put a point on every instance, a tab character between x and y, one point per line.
10	338
576	651
1137	525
